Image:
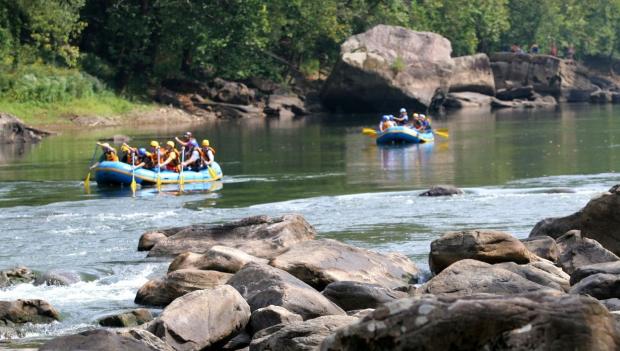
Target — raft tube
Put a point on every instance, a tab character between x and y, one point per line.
119	173
404	135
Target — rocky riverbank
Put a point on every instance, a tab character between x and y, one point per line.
266	283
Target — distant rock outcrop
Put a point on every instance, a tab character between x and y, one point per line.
13	130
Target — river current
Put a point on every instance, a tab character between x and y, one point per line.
516	168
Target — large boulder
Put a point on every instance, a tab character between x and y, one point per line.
285	106
17	275
202	318
306	335
96	340
483	245
58	277
162	291
233	92
543	247
577	251
541	272
27	311
467	99
356	296
272	315
601	286
520	322
145	337
582	272
389	66
13	130
127	319
321	262
263	285
472	74
217	258
598	220
260	236
442	190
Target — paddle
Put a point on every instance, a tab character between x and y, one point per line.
87	180
181	175
133	184
370	132
158	182
442	132
212	172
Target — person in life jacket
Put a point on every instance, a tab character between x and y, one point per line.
417	121
402	118
386	123
172	157
193	160
109	154
125	153
156	154
188	139
144	159
425	122
207	154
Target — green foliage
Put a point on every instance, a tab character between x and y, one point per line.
398	65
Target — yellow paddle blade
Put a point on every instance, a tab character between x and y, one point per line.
441	134
158	183
443	130
369	132
133	186
181	180
212	172
87	183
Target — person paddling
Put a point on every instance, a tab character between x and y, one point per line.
386	123
109	154
171	158
189	139
207	154
402	118
192	158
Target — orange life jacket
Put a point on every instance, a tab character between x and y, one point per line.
111	156
174	165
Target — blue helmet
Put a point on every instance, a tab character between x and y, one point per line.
386	118
142	151
402	110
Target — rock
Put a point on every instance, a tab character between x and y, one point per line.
160	292
202	318
538	102
148	240
360	313
272	315
467	99
472	74
483	245
92	121
117	139
286	103
13	130
541	272
321	262
146	337
518	93
240	341
356	296
521	322
27	311
58	277
598	220
260	236
612	304
127	319
233	92
442	190
17	275
543	246
232	111
217	258
582	272
306	335
408	68
466	277
95	340
263	285
577	251
601	286
600	97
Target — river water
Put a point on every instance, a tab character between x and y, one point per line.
516	168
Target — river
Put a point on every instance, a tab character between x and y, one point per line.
516	168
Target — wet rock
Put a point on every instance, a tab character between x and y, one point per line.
543	246
202	318
612	304
306	335
260	236
148	240
127	319
217	258
466	277
272	315
541	272
467	99
286	106
601	286
96	340
598	220
160	292
472	74
521	322
356	296
146	337
582	272
601	97
263	285
233	92
518	93
13	130
58	277
442	190
321	262
17	275
27	311
577	251
483	245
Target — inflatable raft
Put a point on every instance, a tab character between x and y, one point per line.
119	173
404	135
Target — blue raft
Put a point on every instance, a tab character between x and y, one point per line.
404	135
119	173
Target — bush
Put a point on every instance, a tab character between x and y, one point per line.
398	65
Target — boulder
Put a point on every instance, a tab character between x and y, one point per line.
598	220
601	97
306	335
58	277
601	286
408	68
96	340
162	291
612	304
442	190
356	296
272	315
13	130
27	311
232	111
467	99
466	277
483	245
577	251
543	246
202	318
582	272
536	102
146	337
217	258
263	285
260	236
148	240
541	272
321	262
537	321
240	342
233	92
472	74
127	319
17	275
286	105
517	93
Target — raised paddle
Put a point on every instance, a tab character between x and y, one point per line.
133	184
370	132
87	180
181	175
158	182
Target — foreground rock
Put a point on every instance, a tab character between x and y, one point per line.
482	245
127	319
202	318
598	220
522	322
543	246
27	311
577	251
99	340
306	335
321	262
540	272
357	296
271	315
260	236
13	130
160	292
601	286
17	275
442	190
582	272
145	337
217	258
58	277
263	285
